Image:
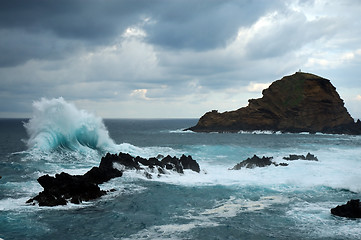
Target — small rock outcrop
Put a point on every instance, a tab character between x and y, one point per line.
352	209
302	102
256	161
253	162
64	188
309	157
138	163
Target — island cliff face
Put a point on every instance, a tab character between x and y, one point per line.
302	102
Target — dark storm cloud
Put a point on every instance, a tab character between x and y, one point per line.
42	29
202	25
88	20
51	29
148	53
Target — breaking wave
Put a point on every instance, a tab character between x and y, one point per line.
57	124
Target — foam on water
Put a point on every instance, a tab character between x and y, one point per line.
58	124
338	169
315	218
58	131
211	217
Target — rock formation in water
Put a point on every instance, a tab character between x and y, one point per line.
256	161
309	157
253	162
302	102
352	209
62	188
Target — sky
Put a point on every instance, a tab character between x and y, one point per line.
172	59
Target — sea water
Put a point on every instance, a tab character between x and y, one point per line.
290	202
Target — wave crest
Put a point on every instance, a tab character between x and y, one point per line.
58	124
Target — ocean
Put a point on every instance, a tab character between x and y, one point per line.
288	202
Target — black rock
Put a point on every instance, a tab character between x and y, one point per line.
172	163
253	162
125	159
309	157
352	209
64	187
189	163
100	175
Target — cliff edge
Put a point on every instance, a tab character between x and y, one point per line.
301	102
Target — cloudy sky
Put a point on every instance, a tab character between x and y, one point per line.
179	58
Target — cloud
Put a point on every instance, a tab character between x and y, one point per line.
197	55
203	25
65	27
257	87
140	93
278	33
358	97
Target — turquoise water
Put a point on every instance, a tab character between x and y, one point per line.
290	202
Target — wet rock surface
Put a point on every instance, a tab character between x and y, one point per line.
64	188
352	209
256	161
309	157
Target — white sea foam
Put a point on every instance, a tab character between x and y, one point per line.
181	131
316	220
58	124
208	218
234	206
58	131
336	168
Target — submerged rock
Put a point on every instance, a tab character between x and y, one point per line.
302	102
62	188
352	209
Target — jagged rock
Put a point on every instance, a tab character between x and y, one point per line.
352	209
309	157
253	162
64	187
159	156
172	163
189	163
302	102
256	161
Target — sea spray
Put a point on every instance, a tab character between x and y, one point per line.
60	132
290	202
58	124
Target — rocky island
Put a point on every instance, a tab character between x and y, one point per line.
301	102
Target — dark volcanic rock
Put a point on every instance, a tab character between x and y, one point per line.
301	102
253	162
64	187
309	157
256	161
352	209
189	163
